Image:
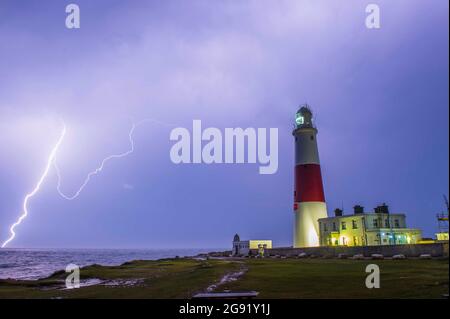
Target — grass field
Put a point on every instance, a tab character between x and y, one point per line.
273	278
330	278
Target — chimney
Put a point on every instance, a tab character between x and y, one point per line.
338	212
382	209
358	209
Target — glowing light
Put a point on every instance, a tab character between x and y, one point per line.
313	237
24	215
299	119
344	240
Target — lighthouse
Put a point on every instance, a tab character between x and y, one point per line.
309	198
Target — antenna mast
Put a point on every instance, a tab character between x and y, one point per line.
443	222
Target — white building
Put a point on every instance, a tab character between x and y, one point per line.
367	229
243	247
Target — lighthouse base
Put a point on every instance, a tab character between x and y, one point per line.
306	225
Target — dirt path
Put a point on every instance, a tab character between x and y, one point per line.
229	277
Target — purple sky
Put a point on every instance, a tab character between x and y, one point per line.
380	98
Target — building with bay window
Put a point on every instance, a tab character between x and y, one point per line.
367	228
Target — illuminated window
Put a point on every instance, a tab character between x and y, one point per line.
299	119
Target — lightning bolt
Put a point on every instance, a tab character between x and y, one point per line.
103	163
52	162
27	198
96	171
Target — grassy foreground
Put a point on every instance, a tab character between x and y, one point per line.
331	278
273	278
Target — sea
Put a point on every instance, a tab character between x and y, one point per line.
33	264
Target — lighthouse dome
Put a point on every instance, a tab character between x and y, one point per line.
236	238
303	117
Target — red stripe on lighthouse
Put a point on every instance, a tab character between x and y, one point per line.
308	183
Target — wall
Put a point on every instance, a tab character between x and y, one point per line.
242	247
435	250
254	244
366	231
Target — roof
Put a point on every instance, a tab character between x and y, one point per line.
365	214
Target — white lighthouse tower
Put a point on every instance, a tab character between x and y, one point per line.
309	199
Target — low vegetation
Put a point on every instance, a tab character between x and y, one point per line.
272	278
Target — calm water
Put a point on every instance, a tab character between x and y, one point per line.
38	263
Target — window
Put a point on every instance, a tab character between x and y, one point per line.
344	225
312	137
355	224
325	228
386	223
375	223
397	223
355	240
334	226
299	119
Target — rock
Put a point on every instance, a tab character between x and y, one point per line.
398	257
302	255
377	256
425	256
358	257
